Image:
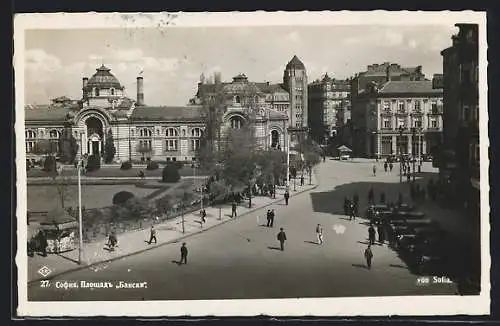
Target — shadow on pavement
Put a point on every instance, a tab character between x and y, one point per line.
273	248
360	266
311	242
176	262
460	252
398	266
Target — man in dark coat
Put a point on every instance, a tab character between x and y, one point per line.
368	256
282	238
152	235
390	166
301	180
268	215
233	210
287	196
371	234
271	215
184	254
385	166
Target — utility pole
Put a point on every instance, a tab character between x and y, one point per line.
80	219
400	154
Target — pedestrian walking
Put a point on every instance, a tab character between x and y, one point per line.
408	176
152	234
287	196
390	166
233	210
184	254
268	215
203	214
301	180
272	215
319	234
112	240
374	170
381	233
371	234
385	166
282	238
371	196
352	212
368	256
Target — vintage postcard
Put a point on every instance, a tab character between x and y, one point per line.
243	164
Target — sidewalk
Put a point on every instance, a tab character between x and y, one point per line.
95	255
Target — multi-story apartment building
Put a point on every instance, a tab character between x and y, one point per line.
328	103
397	117
459	162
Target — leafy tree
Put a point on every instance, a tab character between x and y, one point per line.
109	148
68	147
170	173
44	147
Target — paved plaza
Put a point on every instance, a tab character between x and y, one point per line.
241	259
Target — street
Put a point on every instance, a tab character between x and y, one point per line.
241	259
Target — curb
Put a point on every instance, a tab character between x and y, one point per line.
167	242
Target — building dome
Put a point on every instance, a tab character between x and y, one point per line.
103	79
295	63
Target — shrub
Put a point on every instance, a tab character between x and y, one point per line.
152	166
170	174
120	198
49	165
93	163
126	165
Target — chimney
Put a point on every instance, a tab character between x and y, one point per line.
85	80
140	90
217	77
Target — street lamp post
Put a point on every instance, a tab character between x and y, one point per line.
80	219
413	133
400	154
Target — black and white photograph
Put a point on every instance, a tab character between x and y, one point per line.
242	164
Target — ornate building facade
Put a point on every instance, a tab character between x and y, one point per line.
328	104
144	133
397	117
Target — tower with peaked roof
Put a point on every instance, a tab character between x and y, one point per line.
295	82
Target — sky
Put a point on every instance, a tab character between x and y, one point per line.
172	59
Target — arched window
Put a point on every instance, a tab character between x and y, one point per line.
30	134
236	122
171	132
275	138
196	132
54	134
145	132
237	99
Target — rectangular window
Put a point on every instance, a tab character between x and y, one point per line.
401	107
171	145
195	144
387	123
434	124
434	108
417	123
418	107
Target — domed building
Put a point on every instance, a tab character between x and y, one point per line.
160	133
